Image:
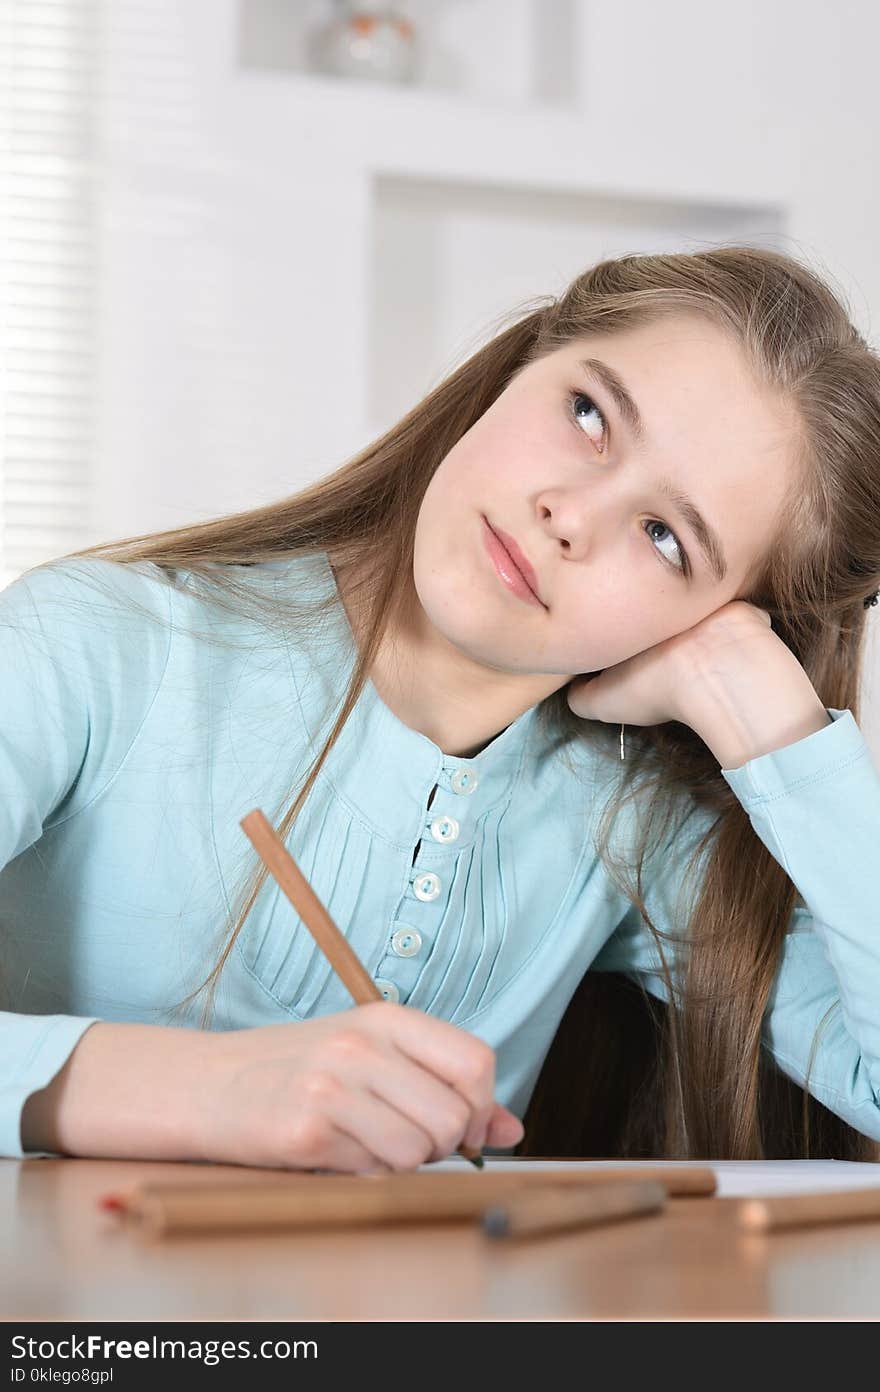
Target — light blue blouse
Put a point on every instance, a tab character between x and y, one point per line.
130	749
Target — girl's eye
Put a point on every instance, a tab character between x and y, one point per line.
577	400
681	565
574	398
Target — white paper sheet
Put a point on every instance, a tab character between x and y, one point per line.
735	1178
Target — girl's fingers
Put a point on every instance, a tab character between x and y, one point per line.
505	1128
431	1104
342	1152
384	1133
459	1059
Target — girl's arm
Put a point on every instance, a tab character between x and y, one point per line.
125	1090
379	1084
77	677
815	803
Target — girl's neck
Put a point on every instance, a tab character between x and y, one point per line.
413	690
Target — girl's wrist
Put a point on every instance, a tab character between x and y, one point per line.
745	712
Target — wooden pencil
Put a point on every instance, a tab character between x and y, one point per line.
306	1200
800	1210
534	1212
339	953
208	1208
694	1180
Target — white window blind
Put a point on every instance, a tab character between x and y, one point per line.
48	106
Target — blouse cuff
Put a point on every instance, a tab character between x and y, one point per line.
40	1045
816	756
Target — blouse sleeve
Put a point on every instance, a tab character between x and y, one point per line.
815	804
75	688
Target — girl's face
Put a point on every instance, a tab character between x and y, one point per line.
558	465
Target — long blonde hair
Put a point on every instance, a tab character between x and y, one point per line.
797	338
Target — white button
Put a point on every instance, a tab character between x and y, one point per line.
406	942
426	887
464	781
388	990
445	829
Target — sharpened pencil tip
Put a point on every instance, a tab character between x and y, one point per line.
472	1153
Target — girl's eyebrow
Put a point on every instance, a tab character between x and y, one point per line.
708	538
710	542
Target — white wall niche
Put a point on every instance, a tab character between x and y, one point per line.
446	258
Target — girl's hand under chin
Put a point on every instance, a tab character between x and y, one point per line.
658	684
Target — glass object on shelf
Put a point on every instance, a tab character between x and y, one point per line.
372	42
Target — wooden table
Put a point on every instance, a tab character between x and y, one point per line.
64	1259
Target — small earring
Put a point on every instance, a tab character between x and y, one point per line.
622	754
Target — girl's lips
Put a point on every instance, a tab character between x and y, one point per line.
506	568
519	560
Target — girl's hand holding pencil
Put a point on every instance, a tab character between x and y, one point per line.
377	1086
394	1087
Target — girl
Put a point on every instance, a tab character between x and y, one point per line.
652	504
